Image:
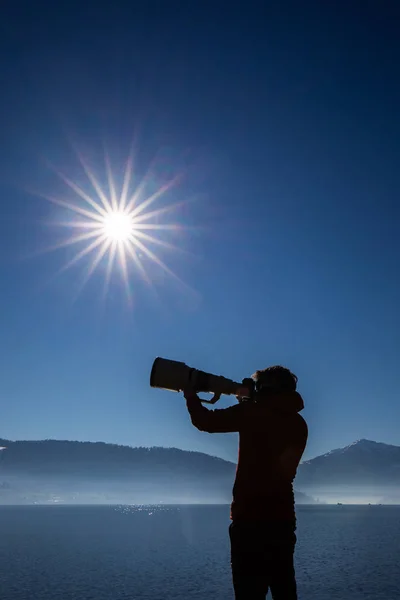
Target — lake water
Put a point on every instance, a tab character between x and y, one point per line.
182	553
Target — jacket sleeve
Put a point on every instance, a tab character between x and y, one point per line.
225	420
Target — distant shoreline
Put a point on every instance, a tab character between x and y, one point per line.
161	505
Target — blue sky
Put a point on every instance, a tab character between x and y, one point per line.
284	121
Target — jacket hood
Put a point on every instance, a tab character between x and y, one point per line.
284	401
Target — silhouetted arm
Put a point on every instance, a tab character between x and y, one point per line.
223	420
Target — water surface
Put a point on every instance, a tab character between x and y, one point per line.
182	553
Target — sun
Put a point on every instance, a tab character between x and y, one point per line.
118	226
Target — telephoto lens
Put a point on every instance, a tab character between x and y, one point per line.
176	376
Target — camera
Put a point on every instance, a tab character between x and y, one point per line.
176	376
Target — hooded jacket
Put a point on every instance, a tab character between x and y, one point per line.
272	439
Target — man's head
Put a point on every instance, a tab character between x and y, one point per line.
275	378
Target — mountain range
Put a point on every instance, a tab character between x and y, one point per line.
362	472
96	472
362	463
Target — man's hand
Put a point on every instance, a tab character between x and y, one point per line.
213	400
190	394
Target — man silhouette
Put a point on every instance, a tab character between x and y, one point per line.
272	439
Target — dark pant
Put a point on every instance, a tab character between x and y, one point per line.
262	558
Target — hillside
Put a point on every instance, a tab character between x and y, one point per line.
97	472
98	459
363	463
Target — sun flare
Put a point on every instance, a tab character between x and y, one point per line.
118	227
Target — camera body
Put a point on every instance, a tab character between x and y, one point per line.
250	384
